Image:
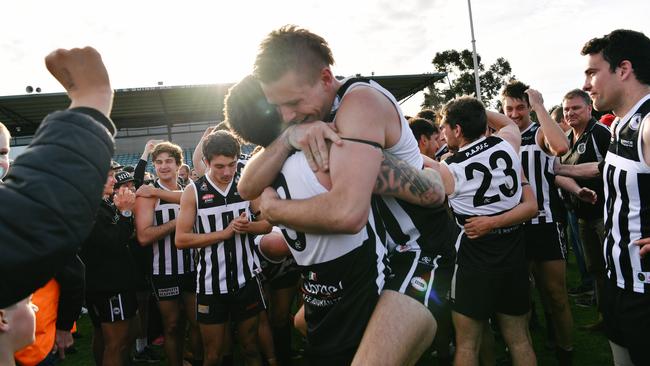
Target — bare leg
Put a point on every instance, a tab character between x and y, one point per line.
396	317
170	310
247	334
213	337
515	333
189	302
552	275
469	333
299	321
265	338
117	337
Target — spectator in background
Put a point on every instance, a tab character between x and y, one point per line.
110	274
588	142
558	116
184	175
41	237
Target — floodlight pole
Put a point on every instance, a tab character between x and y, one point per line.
471	26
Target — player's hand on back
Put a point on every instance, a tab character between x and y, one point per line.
311	139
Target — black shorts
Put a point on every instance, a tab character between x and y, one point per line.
240	305
627	320
420	276
545	242
287	280
478	294
110	307
170	287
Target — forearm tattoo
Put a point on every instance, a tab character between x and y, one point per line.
401	180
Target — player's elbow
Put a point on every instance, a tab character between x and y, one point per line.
182	240
143	238
351	222
247	191
531	210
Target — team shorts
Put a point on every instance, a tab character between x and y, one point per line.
110	307
240	305
545	242
627	319
479	294
170	287
420	276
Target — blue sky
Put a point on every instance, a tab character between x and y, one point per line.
196	42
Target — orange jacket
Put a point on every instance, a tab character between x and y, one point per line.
47	300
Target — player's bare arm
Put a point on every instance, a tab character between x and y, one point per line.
185	236
262	169
363	115
146	231
422	187
551	138
475	227
570	185
148	191
506	128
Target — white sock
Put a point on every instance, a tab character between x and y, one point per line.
140	344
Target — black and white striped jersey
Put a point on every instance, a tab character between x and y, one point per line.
626	176
166	258
538	169
223	267
487	182
342	273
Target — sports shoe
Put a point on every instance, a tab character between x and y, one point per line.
146	356
586	301
583	289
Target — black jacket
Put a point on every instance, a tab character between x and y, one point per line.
109	263
49	199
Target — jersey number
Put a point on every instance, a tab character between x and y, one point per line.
480	199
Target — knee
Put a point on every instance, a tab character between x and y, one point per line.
171	327
250	349
211	356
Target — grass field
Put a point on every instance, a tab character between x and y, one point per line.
591	349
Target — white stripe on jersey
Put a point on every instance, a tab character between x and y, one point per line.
405	224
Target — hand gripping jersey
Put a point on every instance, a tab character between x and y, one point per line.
342	274
487	182
167	260
627	201
538	168
223	267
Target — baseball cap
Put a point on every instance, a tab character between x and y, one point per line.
115	165
122	177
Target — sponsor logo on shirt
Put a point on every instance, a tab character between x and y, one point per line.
167	292
635	121
419	284
582	148
207	198
203	309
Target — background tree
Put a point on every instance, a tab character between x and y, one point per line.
459	67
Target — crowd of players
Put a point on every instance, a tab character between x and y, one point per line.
400	234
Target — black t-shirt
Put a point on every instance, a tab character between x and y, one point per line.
591	146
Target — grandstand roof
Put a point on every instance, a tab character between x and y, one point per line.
165	105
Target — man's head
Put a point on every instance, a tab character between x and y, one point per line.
109	185
249	115
615	63
463	121
184	173
576	106
293	66
558	116
221	152
5	135
124	178
194	175
167	159
426	134
429	114
515	103
17	325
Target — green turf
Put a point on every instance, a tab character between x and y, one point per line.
590	348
